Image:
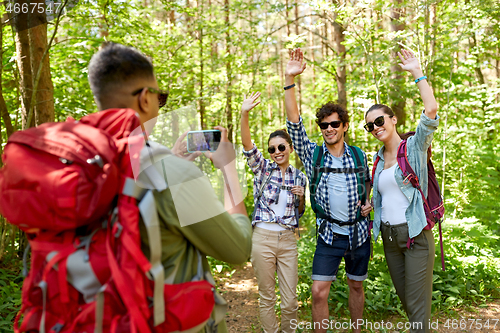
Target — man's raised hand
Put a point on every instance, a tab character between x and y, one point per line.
296	65
250	102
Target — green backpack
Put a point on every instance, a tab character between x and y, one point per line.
319	169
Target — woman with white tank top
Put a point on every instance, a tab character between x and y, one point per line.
398	206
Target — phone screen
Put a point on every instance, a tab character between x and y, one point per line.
203	140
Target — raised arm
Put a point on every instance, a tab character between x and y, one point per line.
224	158
248	104
411	64
295	66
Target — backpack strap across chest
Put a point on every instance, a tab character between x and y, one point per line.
318	169
267	180
434	211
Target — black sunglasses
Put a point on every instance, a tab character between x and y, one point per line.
334	124
379	121
272	149
162	95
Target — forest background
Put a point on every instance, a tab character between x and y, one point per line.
209	53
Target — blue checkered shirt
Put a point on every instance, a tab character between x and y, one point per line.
260	166
305	149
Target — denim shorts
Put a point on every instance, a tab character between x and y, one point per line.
327	259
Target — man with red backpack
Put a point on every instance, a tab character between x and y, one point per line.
223	232
126	224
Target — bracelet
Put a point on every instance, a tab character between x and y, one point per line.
420	79
289	87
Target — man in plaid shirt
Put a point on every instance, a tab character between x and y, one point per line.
337	195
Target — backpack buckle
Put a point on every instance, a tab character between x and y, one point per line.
119	229
96	160
407	180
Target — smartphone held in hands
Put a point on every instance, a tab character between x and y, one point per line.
207	140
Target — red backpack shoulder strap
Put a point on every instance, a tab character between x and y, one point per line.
375	163
408	174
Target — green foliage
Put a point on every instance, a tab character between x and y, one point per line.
472	274
473	269
209	63
11	282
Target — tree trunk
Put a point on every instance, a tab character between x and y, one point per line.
287	19
279	47
498	62
171	17
477	67
339	47
323	43
432	22
4	112
229	111
44	106
341	68
3	236
213	48
202	103
279	68
497	67
396	87
188	18
23	59
299	81
311	47
3	106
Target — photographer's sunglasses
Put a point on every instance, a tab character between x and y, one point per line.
162	95
272	149
334	124
379	121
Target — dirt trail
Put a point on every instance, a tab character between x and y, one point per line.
241	292
243	298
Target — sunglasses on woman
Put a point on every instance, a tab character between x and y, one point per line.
379	121
334	124
272	149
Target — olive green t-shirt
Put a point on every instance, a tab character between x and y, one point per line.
191	217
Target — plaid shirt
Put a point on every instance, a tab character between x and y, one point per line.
305	149
260	167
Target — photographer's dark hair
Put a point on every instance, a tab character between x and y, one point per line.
113	66
387	110
282	133
330	108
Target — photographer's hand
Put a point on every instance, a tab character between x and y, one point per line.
180	149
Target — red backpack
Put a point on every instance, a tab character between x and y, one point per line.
433	203
70	187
